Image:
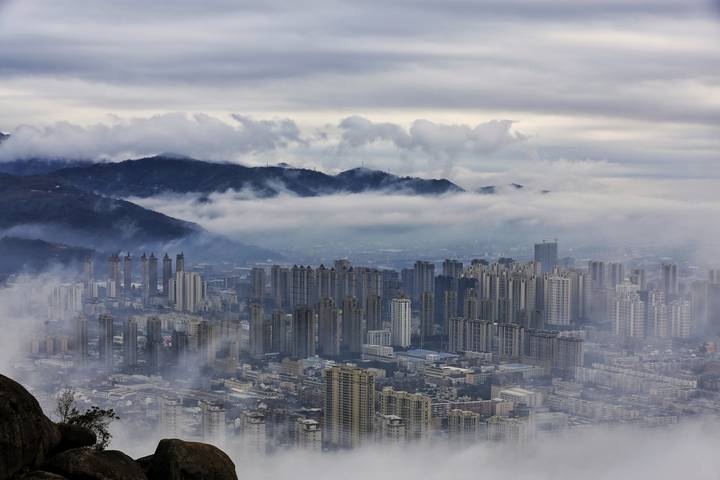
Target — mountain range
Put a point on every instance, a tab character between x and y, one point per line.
151	176
73	205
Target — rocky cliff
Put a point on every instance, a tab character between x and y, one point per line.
32	447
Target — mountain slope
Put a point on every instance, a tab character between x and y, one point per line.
154	175
84	218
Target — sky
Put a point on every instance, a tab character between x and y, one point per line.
611	102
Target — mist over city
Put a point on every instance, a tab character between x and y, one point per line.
332	239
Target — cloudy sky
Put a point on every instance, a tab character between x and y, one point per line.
603	96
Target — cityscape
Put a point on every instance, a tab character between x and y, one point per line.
322	240
324	358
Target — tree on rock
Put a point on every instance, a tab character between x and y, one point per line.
95	419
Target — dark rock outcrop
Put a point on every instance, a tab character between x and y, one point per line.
26	434
74	436
179	460
42	475
92	464
32	447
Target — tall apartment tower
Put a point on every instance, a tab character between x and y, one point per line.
180	262
212	423
280	333
424	278
628	312
114	276
456	335
303	332
329	327
80	347
130	343
88	276
348	405
353	333
373	312
308	435
127	275
257	284
400	322
547	254
257	325
616	274
144	276
153	345
427	315
152	275
414	408
170	417
452	268
669	279
167	275
557	300
105	340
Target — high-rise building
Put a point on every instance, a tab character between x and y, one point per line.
379	337
681	319
329	327
114	276
302	281
170	417
348	405
130	342
615	274
152	275
80	341
280	331
456	337
127	275
427	315
153	345
669	279
188	291
257	284
181	346
557	300
144	277
450	308
424	278
638	277
88	276
167	275
452	268
463	426
180	262
478	336
628	312
105	340
414	408
510	340
389	429
400	322
303	332
546	253
257	326
569	353
308	435
254	432
212	422
353	333
373	312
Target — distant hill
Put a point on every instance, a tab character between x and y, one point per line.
151	176
39	166
67	214
46	208
33	255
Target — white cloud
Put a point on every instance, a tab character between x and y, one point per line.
198	135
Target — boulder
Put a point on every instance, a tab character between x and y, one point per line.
92	464
179	460
74	436
26	434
